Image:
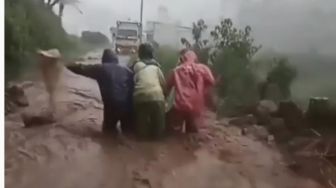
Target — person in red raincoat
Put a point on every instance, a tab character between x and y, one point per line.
191	81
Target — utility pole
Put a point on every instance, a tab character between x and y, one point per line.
141	25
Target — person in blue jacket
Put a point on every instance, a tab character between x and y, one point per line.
116	87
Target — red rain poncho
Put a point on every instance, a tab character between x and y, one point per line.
191	81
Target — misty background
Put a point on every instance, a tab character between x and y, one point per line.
286	25
302	30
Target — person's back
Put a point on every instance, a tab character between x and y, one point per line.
149	82
191	81
148	96
116	86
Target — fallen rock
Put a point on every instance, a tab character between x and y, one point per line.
321	111
258	132
16	94
243	121
33	119
292	115
27	84
278	128
264	110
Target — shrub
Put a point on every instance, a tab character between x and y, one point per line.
231	61
283	74
168	57
30	25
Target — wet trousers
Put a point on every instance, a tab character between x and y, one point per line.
111	118
150	118
177	119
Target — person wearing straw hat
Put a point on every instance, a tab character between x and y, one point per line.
116	88
51	69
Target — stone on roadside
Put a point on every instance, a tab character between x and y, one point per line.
32	119
270	139
278	128
258	132
243	121
264	110
292	114
16	94
27	84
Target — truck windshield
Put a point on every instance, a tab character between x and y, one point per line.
127	33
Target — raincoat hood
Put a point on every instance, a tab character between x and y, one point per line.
151	62
189	57
143	63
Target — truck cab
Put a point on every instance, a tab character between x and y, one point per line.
127	37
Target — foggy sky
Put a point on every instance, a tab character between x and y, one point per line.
280	24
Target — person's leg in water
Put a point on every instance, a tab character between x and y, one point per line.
157	119
111	118
127	123
142	114
193	123
191	126
175	121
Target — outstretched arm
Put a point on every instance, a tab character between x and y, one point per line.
91	71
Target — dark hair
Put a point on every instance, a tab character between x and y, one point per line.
109	57
182	52
146	51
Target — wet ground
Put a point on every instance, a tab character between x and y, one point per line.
74	153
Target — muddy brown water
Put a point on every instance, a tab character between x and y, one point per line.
74	153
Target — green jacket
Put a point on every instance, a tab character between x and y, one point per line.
149	82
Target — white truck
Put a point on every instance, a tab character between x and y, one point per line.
127	37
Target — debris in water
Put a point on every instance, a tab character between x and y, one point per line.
31	119
26	153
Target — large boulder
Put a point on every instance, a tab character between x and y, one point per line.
292	115
37	118
243	121
256	131
278	128
15	97
17	94
264	110
321	111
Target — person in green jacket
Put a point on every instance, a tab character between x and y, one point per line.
148	95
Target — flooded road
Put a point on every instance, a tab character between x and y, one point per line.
74	153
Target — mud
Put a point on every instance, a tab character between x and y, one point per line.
72	152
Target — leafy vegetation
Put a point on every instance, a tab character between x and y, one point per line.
231	55
30	25
282	75
167	57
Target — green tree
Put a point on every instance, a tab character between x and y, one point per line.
237	41
231	61
282	74
197	29
200	45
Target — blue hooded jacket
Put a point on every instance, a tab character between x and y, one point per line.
115	83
